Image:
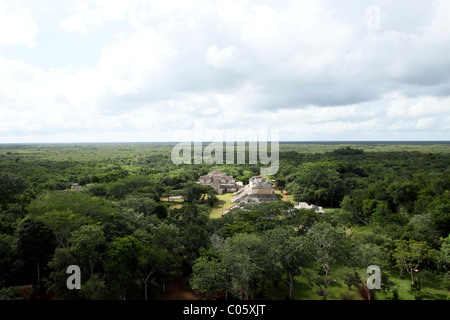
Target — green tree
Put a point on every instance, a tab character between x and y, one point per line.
382	214
121	264
6	259
211	196
34	247
443	260
140	204
440	213
243	261
150	259
209	274
315	182
192	192
8	294
94	288
354	204
409	254
167	237
285	256
362	254
83	250
11	186
423	228
62	258
86	243
161	211
324	244
62	223
403	194
444	254
79	203
192	221
10	217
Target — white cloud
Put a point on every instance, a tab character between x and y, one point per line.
132	63
438	30
74	24
86	14
312	69
224	58
425	123
17	26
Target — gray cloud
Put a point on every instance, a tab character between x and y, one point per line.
159	66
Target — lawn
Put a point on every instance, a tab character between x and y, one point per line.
285	197
216	212
224	204
173	204
304	290
431	290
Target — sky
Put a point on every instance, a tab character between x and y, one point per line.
137	71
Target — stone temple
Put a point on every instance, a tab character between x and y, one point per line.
220	182
258	190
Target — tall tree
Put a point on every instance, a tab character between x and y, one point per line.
62	223
34	247
6	259
11	186
86	243
315	182
362	254
121	264
62	258
409	254
243	261
209	274
323	243
285	256
151	258
444	254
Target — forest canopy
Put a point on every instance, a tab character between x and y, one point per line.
385	204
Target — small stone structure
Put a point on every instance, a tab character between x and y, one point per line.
174	198
75	186
220	182
304	205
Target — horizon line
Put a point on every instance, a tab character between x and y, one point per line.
211	141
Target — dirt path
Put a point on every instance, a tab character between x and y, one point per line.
177	291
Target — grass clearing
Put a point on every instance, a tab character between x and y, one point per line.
224	204
284	196
304	289
173	204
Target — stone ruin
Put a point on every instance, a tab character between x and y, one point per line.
220	182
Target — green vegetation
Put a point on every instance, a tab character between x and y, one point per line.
224	202
386	204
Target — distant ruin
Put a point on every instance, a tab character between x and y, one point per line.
75	186
305	205
220	182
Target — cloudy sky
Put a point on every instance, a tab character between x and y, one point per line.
114	70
